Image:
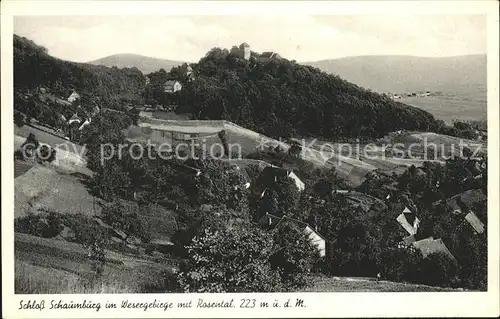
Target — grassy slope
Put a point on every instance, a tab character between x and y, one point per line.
53	266
347	284
21	167
42	187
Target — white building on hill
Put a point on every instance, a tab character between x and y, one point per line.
172	86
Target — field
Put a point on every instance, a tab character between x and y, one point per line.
53	266
449	107
349	284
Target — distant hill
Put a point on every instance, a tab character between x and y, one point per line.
144	63
409	73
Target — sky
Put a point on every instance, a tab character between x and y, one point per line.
301	38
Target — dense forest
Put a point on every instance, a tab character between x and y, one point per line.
283	98
34	67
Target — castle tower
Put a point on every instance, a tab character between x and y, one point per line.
245	48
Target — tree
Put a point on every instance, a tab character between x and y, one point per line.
220	183
231	259
18	119
111	181
93	238
293	256
127	219
295	150
438	269
281	198
353	248
30	145
400	264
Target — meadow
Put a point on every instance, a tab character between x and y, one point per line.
450	107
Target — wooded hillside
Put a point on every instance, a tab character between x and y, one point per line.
283	98
34	67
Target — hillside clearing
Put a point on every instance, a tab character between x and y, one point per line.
42	187
54	266
43	135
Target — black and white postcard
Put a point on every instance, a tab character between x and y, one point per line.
249	159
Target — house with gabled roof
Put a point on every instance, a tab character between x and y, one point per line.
270	175
459	205
172	86
430	246
409	221
266	57
74	119
270	221
87	122
472	219
73	97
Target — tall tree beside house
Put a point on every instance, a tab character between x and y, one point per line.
229	259
220	183
293	256
280	198
352	246
105	129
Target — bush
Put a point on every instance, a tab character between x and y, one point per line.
437	269
30	145
19	155
18	119
92	237
46	153
234	259
47	224
126	218
399	264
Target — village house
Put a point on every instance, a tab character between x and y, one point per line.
270	221
267	57
190	73
430	246
270	175
74	119
172	86
409	221
460	209
73	97
87	122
